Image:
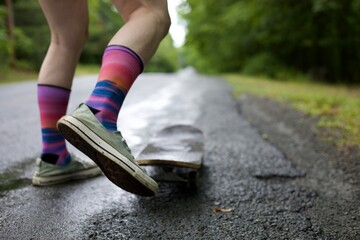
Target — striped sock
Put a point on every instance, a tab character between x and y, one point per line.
120	67
53	102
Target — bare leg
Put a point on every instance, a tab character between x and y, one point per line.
91	127
146	23
68	22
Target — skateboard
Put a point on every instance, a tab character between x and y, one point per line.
175	154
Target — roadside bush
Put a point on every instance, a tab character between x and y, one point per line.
32	35
94	47
263	64
24	50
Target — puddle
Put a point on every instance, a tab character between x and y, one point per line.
145	114
10	182
14	179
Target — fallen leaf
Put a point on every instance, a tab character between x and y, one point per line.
219	209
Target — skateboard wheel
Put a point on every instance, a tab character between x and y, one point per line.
193	180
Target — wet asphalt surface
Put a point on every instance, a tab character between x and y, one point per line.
249	188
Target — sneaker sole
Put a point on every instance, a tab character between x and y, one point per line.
51	180
116	167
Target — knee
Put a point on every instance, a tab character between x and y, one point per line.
72	41
160	19
155	12
164	22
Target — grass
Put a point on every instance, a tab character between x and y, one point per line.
87	69
13	76
337	107
16	75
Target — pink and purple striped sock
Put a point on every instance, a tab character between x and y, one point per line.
120	67
53	103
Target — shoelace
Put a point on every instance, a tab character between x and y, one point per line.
125	143
126	146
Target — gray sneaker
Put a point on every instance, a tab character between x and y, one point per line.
108	150
50	174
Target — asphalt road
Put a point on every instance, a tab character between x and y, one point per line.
263	193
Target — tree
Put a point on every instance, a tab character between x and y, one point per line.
31	34
103	24
25	36
10	28
317	37
6	35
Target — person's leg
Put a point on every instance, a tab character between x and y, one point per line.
146	24
92	127
68	22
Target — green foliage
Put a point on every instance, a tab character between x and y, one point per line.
31	34
24	50
263	64
316	37
104	22
205	49
4	44
32	37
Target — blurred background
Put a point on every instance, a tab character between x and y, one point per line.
305	52
319	39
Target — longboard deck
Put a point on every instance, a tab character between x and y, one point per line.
174	146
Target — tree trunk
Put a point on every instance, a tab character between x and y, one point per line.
10	29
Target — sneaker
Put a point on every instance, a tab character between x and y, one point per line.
49	174
108	150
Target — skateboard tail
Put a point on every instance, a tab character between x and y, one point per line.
168	163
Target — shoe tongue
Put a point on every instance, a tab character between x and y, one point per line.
117	133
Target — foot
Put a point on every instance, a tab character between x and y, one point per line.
50	174
108	150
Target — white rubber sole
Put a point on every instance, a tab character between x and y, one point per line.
121	171
51	180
